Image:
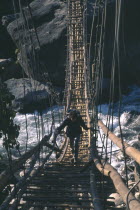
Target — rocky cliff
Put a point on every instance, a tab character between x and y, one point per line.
41	33
49	21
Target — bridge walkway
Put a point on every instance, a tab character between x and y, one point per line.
63	185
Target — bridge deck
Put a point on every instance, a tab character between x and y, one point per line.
62	185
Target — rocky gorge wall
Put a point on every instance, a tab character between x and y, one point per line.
49	19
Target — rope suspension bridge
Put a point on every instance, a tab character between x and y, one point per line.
59	183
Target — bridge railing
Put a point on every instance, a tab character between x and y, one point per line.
6	175
121	188
20	187
129	150
107	170
128	198
29	173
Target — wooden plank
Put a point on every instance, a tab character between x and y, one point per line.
61	205
54	200
6	175
67	190
129	150
121	188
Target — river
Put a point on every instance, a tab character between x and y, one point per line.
33	126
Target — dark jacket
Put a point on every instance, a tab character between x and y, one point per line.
73	127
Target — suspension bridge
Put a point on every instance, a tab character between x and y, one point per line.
61	184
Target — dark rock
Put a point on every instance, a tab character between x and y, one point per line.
9	69
29	94
106	83
129	44
7	47
8	19
49	19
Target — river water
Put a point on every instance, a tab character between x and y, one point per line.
32	126
129	118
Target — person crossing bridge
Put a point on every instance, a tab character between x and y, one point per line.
74	122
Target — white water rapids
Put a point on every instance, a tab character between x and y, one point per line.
129	119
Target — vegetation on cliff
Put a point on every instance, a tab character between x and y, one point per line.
9	131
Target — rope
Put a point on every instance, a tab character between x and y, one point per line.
119	6
93	85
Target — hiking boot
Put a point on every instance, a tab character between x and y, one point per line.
72	159
75	160
72	151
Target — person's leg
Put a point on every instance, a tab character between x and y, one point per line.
77	146
72	145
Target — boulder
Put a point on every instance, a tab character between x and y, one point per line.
48	47
29	94
9	18
47	52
